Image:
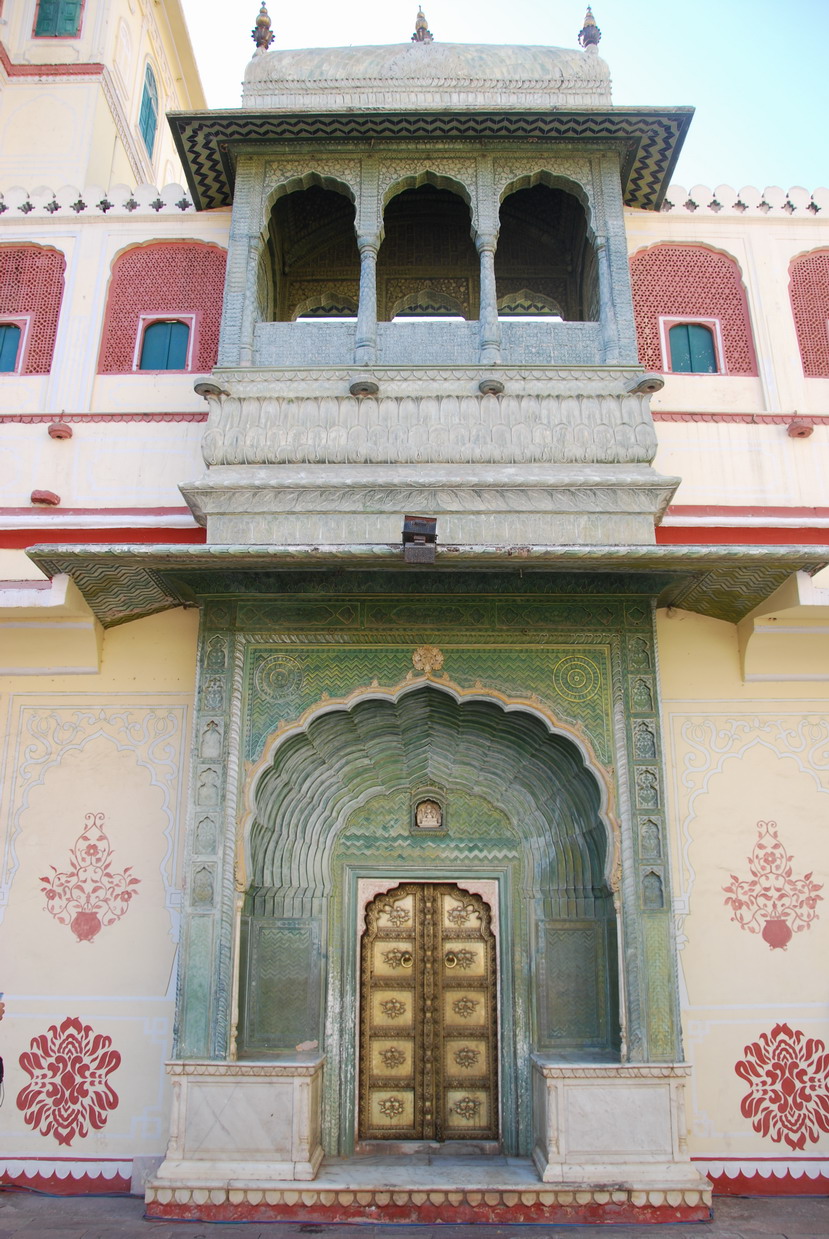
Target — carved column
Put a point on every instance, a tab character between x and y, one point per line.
239	307
607	306
365	353
490	347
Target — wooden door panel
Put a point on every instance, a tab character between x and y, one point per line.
428	1060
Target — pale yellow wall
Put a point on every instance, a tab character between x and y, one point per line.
738	754
115	743
87	128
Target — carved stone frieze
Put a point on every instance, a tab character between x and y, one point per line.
458	427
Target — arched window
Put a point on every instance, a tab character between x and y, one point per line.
58	19
675	284
31	289
809	292
165	282
691	349
10	335
148	116
164	346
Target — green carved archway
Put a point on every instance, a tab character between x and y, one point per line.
522	808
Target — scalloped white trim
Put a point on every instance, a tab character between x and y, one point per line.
798	1168
36	1167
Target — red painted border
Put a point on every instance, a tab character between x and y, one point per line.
758	1185
19	539
84	69
739	535
754	419
84	1185
39	418
436	1214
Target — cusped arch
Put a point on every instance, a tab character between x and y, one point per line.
553	180
809	296
428	301
294	183
340	755
427	176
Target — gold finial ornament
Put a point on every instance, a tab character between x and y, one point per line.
422	32
590	34
262	34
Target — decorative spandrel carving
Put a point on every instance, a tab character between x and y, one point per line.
644	741
214	694
641	695
647	789
210	746
653	896
202	891
650	840
639	655
207	792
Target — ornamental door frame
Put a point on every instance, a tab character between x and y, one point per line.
489	891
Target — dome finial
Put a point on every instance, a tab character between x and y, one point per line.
422	32
262	34
590	34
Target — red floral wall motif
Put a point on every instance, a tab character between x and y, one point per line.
809	291
168	277
788	1078
69	1091
691	281
89	894
772	902
31	282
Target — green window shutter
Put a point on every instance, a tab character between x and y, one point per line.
69	18
58	18
148	116
164	346
47	18
9	345
692	349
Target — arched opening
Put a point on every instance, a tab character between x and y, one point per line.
545	257
427	261
520	808
310	265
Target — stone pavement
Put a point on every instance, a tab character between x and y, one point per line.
30	1216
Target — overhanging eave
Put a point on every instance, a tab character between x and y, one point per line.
649	139
122	583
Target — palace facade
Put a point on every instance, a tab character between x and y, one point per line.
414	637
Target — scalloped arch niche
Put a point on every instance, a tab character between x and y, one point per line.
521	807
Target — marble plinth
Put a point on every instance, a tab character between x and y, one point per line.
600	1122
243	1122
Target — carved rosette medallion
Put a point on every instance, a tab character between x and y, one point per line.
428	659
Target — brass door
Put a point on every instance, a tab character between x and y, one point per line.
428	1033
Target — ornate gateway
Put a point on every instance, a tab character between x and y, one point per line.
428	1025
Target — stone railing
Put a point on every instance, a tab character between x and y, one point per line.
94	200
726	200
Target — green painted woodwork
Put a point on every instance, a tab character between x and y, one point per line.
692	349
148	115
58	19
9	346
164	346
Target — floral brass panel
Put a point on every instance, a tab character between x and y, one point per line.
428	1035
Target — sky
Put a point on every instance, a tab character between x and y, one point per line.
757	71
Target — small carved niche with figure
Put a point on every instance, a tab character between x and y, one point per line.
428	814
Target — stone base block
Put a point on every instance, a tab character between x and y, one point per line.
242	1123
612	1121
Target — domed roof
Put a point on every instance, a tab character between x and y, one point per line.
426	76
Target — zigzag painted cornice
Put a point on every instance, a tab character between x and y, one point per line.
649	139
125	582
